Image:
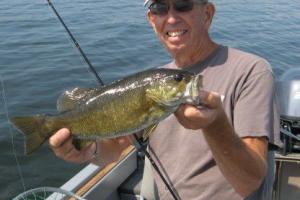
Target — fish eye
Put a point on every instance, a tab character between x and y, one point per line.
178	77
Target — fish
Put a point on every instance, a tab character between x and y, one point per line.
126	106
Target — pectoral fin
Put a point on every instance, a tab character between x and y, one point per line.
148	131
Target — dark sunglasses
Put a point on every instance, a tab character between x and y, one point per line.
162	7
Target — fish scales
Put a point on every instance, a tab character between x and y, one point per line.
107	114
121	108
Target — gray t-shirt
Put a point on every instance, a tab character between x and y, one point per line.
246	84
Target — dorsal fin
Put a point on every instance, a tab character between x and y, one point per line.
72	98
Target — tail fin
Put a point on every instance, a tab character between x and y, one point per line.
34	129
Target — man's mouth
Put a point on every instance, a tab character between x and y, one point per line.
176	33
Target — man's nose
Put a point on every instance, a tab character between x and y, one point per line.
172	16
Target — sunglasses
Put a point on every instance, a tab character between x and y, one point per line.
162	7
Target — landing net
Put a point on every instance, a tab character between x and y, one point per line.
47	193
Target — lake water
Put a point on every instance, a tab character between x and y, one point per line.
38	61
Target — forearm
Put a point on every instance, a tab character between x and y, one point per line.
243	166
101	156
110	150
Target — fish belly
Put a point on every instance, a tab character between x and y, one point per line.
112	116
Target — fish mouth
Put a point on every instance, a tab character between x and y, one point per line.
193	90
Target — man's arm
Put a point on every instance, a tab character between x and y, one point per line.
242	161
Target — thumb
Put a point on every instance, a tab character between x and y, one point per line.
210	99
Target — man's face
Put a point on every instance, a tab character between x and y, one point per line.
182	33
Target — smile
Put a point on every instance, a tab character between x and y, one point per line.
176	33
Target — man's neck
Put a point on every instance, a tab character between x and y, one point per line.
183	61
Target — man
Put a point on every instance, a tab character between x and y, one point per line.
216	151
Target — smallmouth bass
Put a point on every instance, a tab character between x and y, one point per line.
123	107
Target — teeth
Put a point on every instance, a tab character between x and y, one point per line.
176	33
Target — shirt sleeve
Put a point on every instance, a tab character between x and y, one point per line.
255	110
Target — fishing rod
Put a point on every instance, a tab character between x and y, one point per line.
146	153
92	69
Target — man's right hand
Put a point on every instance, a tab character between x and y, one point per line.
62	146
109	150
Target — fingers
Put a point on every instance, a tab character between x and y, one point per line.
117	144
71	154
188	116
188	111
202	116
210	99
125	141
62	145
59	138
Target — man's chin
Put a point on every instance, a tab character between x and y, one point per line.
176	50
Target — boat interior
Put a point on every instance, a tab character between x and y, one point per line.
122	180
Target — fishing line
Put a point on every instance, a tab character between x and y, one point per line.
11	134
92	69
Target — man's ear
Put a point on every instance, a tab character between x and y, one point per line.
150	18
209	13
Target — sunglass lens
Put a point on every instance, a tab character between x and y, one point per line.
159	8
162	8
183	5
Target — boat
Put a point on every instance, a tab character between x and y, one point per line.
287	176
122	179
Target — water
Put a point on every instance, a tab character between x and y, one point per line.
38	61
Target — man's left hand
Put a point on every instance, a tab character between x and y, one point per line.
204	116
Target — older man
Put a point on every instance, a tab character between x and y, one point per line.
217	151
